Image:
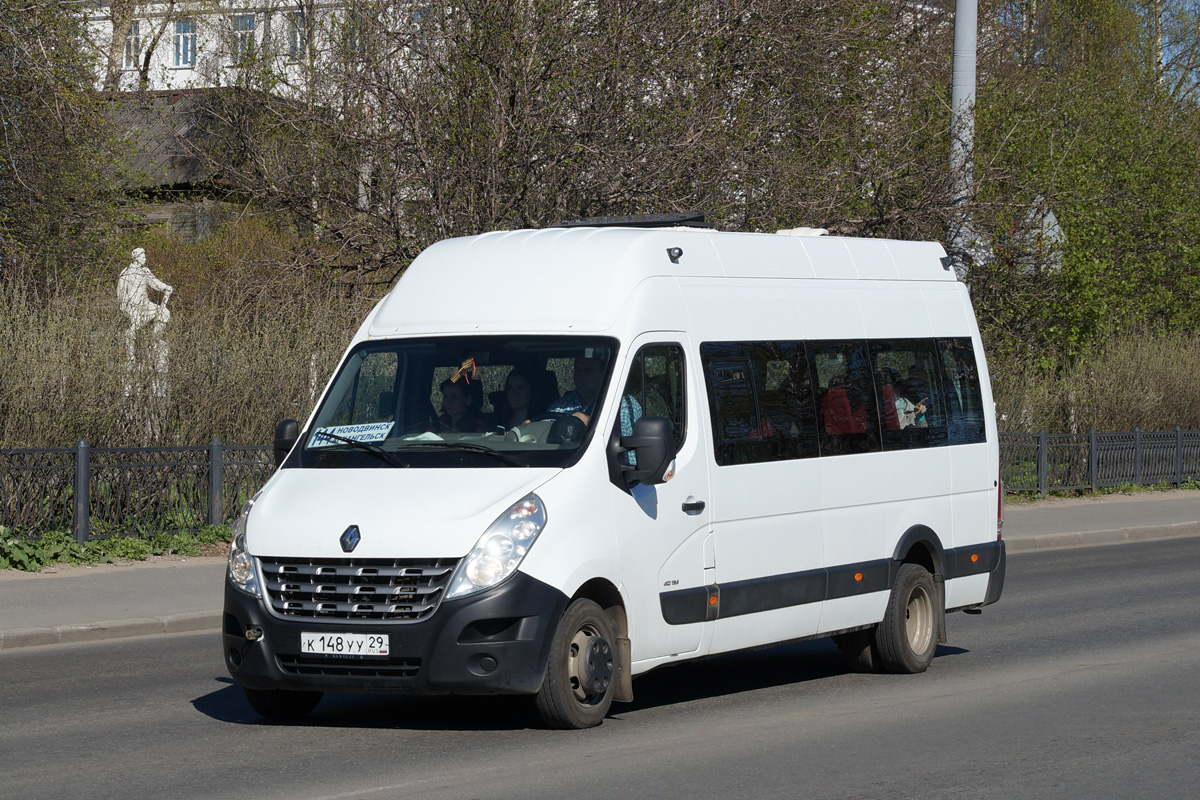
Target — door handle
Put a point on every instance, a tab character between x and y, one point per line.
693	506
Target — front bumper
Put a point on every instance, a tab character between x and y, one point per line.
495	642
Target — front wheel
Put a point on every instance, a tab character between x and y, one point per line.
578	688
907	638
858	648
282	704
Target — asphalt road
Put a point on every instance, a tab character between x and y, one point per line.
1080	683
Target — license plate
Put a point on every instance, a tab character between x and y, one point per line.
345	644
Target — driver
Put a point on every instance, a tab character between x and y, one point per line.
580	403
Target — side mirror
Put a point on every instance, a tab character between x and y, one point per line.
653	444
286	434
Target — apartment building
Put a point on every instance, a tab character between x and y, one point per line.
196	44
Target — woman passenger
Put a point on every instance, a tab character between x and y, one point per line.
518	398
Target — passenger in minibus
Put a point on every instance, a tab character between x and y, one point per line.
514	406
916	391
460	411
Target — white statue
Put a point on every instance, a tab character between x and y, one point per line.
133	298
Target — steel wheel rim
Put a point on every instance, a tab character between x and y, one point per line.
918	617
577	669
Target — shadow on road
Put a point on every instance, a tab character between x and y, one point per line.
383	711
720	676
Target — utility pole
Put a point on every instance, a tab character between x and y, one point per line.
961	238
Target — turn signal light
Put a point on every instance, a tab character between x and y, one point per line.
858	576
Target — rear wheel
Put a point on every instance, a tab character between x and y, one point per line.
282	704
907	638
578	688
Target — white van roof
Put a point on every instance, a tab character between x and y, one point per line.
577	279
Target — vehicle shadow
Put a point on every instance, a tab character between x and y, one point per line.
720	676
747	671
382	711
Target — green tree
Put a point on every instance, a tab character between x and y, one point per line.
1074	116
59	182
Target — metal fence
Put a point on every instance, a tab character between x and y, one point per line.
96	492
1047	462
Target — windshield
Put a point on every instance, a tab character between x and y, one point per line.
464	401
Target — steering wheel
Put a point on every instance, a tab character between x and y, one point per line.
428	426
566	429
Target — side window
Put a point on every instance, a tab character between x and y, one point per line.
846	414
909	392
761	401
372	397
655	388
964	398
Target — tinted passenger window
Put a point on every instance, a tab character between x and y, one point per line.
847	420
909	392
761	401
964	398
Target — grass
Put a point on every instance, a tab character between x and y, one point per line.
59	547
1025	498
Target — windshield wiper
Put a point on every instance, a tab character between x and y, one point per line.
467	446
366	447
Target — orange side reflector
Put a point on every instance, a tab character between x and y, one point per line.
712	601
858	576
974	557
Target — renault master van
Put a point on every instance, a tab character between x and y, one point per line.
552	460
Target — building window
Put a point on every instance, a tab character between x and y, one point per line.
297	36
242	28
133	45
185	43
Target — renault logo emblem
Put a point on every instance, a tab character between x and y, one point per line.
350	539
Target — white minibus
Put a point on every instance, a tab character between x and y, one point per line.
552	460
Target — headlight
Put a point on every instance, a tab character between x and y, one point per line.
241	563
499	551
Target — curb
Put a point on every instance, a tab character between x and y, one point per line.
110	629
1058	541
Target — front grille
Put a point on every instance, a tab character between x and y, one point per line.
397	590
324	665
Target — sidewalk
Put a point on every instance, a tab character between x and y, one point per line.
82	604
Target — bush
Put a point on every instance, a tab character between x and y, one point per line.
1144	380
58	547
251	342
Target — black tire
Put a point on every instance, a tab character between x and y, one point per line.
581	670
282	705
858	647
907	638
